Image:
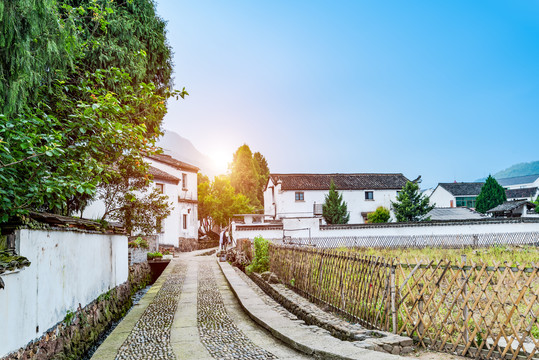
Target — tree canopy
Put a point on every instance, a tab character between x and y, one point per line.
93	78
411	205
249	174
334	209
218	202
492	194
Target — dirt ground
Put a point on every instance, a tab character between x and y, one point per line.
423	354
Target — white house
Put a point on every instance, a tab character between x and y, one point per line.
177	180
520	182
456	194
302	195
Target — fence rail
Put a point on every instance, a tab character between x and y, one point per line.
418	241
472	309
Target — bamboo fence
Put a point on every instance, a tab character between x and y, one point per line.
473	310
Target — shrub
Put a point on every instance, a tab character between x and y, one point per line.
138	243
154	255
260	262
381	215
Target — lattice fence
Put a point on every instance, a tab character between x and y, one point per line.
354	285
418	241
474	310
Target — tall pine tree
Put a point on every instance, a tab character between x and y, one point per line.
492	194
334	209
410	204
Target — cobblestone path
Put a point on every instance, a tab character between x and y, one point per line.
217	331
150	338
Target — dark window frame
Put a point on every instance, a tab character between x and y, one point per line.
300	196
369	195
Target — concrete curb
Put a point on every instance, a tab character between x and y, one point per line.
291	333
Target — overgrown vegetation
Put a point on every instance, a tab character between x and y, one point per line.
139	242
154	255
523	255
85	85
260	261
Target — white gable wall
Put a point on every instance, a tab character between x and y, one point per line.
442	198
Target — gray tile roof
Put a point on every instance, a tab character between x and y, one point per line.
342	181
463	188
521	193
511	205
167	159
455	213
528	179
162	175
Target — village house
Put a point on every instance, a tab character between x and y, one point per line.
457	194
177	180
302	195
464	194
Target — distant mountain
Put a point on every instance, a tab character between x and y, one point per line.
182	149
521	169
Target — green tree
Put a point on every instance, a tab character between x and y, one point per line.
262	169
63	139
381	215
411	205
249	174
492	194
334	209
218	202
36	42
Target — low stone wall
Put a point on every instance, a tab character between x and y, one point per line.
72	337
137	255
207	243
187	244
308	312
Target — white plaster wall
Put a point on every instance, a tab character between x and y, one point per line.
396	230
68	268
287	206
171	224
191	210
442	198
173	227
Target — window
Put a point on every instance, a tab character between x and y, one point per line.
184	181
300	196
369	195
185	221
466	201
160	187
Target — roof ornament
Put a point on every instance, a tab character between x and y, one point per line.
417	180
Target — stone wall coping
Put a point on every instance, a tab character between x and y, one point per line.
289	331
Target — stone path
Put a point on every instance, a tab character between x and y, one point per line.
217	331
150	337
191	313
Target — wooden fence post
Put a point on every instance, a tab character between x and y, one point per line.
465	308
421	326
393	307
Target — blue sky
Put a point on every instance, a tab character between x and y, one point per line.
446	90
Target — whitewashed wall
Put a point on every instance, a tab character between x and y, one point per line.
287	206
68	268
442	198
370	230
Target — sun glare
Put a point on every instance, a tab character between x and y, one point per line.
221	160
